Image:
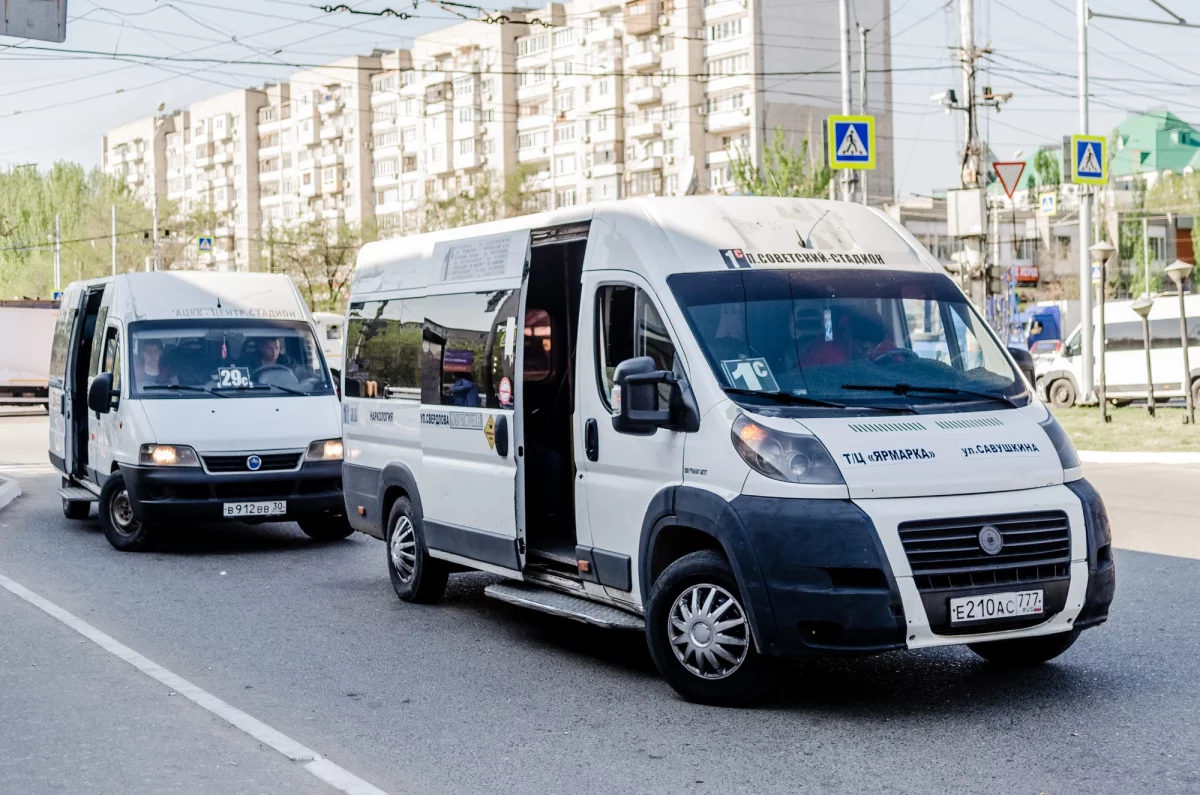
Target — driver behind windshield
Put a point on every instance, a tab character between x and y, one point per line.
268	353
856	337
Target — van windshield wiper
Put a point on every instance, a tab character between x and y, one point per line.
184	387
904	389
804	400
260	387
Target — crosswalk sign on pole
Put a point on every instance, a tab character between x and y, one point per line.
204	245
852	142
1047	203
1090	166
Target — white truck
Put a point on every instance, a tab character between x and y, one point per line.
27	328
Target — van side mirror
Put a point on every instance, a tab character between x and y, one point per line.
100	394
1024	360
637	400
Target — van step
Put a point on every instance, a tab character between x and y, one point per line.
76	494
565	605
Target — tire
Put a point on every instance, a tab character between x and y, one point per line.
681	627
1196	392
1061	393
116	518
326	528
1025	651
416	577
76	509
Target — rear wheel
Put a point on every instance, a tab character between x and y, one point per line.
1025	651
120	526
699	634
1062	394
416	577
326	528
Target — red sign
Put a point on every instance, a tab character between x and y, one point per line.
505	391
1010	175
1027	274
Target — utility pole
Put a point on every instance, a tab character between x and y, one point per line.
114	239
844	21
862	98
973	149
1146	263
154	210
1086	332
57	255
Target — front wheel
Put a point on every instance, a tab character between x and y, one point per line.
121	529
699	634
326	528
416	577
1025	651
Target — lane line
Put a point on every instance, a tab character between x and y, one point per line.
333	775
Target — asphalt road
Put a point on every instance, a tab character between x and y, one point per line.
473	696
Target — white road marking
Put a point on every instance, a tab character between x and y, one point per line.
19	470
337	777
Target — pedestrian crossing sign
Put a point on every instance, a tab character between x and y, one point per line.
204	244
852	142
1089	160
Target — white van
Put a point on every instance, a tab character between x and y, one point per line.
1059	376
181	397
750	427
331	331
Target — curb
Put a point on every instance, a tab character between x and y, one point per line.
9	490
1116	457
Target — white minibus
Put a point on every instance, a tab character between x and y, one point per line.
331	330
751	428
1059	376
182	397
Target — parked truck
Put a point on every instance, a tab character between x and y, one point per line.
27	331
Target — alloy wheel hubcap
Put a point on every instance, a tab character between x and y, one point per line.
122	514
708	631
403	548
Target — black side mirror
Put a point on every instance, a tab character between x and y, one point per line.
1024	360
100	394
637	400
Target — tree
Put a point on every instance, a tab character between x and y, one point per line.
489	198
29	201
786	171
319	257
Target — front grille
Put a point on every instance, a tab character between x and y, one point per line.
945	553
271	462
265	488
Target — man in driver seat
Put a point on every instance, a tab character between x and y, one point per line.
856	337
268	354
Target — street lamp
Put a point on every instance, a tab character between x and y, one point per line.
1142	306
1100	253
1179	271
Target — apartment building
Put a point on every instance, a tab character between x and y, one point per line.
595	99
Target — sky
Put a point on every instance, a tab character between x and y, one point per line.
57	105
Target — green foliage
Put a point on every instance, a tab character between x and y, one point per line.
1047	168
786	171
488	199
319	257
29	200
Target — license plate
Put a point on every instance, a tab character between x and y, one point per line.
988	607
238	510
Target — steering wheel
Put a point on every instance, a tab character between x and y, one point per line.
897	355
267	368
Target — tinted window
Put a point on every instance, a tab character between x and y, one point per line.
382	351
469	348
628	326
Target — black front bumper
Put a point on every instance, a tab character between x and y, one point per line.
190	494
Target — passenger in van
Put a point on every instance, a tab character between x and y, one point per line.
465	392
856	337
149	367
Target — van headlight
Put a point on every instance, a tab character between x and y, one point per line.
167	455
324	450
793	458
1067	455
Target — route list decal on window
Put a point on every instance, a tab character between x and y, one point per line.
752	374
487	257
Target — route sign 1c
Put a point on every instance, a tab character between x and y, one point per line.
851	142
1089	166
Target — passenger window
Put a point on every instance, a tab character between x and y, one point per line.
61	344
383	350
627	326
539	346
468	348
94	365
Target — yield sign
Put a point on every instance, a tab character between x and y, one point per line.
1010	175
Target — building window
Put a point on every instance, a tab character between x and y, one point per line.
730	28
464	87
384	168
670	184
564	101
564	164
387	139
529	45
738	64
531	140
565	198
564	36
564	133
531	77
466	147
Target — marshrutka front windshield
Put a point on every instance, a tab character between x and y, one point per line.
813	332
229	358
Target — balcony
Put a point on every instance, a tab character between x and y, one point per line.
329	132
643	60
647	164
309	190
203	162
606	101
646	95
534	90
331	158
329	105
724	120
648	129
306	137
332	215
533	154
602	35
605	170
723	8
467	161
641	16
538	122
221	158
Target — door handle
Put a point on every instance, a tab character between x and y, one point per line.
501	432
591	440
